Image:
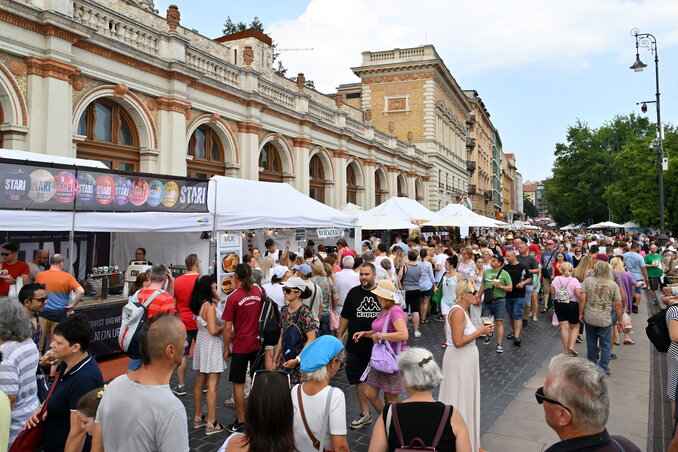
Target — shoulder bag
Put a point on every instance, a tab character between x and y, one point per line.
30	439
438	294
383	358
317	444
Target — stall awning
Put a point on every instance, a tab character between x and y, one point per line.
404	208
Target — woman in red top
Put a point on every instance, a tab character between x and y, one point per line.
560	258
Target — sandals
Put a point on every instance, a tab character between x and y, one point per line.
211	429
573	353
510	336
199	422
543	310
629	342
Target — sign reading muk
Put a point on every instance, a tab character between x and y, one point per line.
58	187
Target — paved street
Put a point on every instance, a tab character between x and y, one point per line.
502	377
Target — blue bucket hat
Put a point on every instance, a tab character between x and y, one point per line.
319	353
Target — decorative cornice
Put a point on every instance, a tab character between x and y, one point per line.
425	178
173	104
302	143
340	154
392	168
249	127
411	173
398	78
47	30
51	68
369	162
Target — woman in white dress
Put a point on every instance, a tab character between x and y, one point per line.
208	356
461	368
449	288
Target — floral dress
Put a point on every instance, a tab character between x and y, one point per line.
304	320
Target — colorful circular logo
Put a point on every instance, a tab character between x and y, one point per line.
156	191
122	189
171	194
42	186
66	187
16	184
139	192
86	188
105	190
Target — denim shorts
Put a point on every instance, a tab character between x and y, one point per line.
191	336
515	308
527	302
497	309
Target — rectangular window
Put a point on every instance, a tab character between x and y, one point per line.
396	104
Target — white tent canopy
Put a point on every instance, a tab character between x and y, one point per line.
457	210
404	208
352	209
630	225
605	225
245	204
384	221
34	157
463	220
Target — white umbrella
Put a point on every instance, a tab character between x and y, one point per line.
383	221
605	225
463	220
630	225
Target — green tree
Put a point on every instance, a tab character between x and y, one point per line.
529	208
231	27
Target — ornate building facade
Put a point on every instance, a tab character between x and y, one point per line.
411	94
114	81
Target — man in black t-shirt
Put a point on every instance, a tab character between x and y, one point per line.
520	277
361	307
530	262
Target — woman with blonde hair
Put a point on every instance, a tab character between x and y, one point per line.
328	292
628	285
586	264
461	367
266	269
566	291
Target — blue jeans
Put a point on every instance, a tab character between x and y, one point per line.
595	335
528	295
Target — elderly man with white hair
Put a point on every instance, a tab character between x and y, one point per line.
576	405
345	280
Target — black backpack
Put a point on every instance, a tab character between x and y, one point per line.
293	339
269	320
658	332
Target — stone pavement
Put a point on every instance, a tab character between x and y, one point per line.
502	376
521	426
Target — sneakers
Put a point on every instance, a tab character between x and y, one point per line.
500	348
179	390
417	334
362	420
236	427
487	340
579	339
516	342
634	309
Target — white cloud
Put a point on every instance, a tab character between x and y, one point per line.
473	37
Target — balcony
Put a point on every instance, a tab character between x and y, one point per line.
471	189
470	121
470	144
488	194
470	166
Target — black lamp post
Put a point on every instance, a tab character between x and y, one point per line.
648	41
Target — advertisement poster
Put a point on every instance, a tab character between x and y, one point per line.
66	188
229	254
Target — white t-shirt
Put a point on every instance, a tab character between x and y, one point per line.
158	423
439	259
275	293
378	259
275	255
344	281
314	409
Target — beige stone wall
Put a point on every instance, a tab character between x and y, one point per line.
403	122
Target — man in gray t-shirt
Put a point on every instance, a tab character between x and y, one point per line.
635	265
138	411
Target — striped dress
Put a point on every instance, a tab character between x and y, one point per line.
17	377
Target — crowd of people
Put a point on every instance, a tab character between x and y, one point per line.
350	310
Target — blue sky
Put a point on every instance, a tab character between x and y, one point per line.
538	64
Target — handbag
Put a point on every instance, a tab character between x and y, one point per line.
334	320
30	439
383	358
438	294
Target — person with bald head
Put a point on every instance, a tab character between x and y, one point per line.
159	422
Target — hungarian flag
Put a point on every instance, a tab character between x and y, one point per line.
466	201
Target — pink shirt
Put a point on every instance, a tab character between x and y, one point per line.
378	324
570	284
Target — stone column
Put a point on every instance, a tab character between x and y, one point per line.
368	195
248	144
392	175
340	184
50	106
172	118
302	157
411	187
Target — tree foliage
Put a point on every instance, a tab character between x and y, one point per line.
610	172
529	208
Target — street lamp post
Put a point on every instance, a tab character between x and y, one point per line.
648	41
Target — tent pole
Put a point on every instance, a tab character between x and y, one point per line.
71	236
213	238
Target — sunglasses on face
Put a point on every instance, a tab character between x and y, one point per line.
41	299
287	290
5	254
472	292
541	398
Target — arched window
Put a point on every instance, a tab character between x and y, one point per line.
402	189
317	184
351	185
110	136
380	191
2	120
270	165
419	196
207	152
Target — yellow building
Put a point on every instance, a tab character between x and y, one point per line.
480	156
411	94
508	200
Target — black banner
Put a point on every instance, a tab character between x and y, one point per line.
105	323
91	249
60	187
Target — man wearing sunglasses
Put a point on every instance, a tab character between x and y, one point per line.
576	405
11	268
33	296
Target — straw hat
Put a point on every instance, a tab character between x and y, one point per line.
386	290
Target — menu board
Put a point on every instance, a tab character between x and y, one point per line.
229	254
67	188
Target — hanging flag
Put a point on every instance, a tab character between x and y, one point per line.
466	201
